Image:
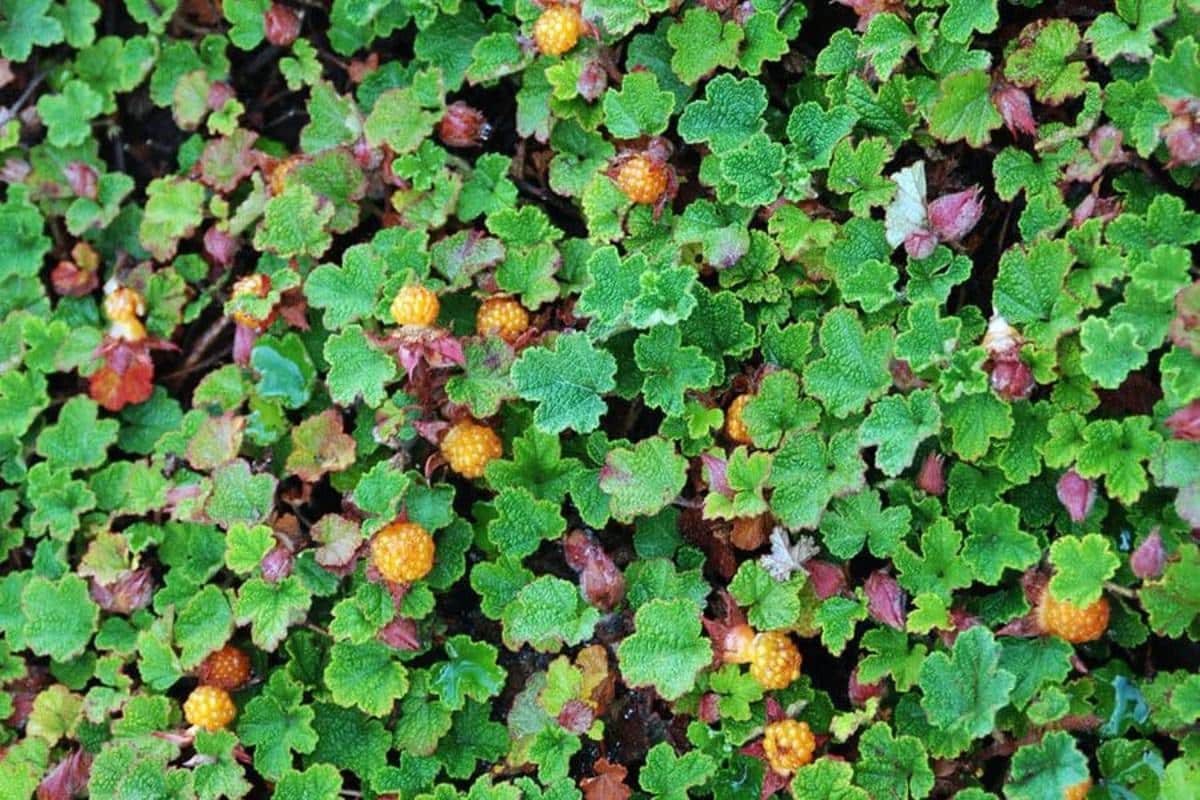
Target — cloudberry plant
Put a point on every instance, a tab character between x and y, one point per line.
503	317
789	745
735	425
469	447
403	552
774	660
1070	622
210	708
557	29
227	668
415	306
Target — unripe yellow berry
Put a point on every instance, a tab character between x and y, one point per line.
735	425
403	552
469	447
642	180
789	745
503	317
774	660
415	306
557	29
209	707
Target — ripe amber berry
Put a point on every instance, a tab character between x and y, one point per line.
503	317
735	425
124	306
469	447
210	708
1070	622
642	180
774	660
227	668
789	745
1078	791
557	29
403	552
416	306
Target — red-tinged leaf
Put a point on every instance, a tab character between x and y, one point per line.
1148	560
885	599
340	540
68	779
920	243
709	711
607	782
281	25
1013	104
602	583
576	717
827	579
954	215
277	564
226	161
1182	137
82	179
130	592
320	445
69	280
932	477
401	633
868	9
244	338
1185	423
860	693
126	377
219	246
1077	494
716	474
1011	378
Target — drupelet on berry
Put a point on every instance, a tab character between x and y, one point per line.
774	660
210	708
469	447
403	552
503	317
558	29
415	306
789	745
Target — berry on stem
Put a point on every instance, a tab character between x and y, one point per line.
789	745
1070	622
210	708
227	668
403	552
735	425
503	317
415	306
643	180
774	660
469	447
557	30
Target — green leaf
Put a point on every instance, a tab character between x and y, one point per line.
357	368
1082	565
963	691
996	542
365	676
702	42
1129	32
349	292
777	409
400	120
1173	601
755	170
644	479
470	670
770	604
567	382
667	776
964	109
858	172
854	367
60	616
746	474
826	779
546	614
68	116
203	625
890	766
318	782
271	608
861	518
837	618
729	114
485	383
974	420
174	209
1110	352
638	108
523	522
897	425
26	24
964	16
78	440
295	223
809	472
1041	61
1046	769
1117	450
671	369
666	649
276	723
239	496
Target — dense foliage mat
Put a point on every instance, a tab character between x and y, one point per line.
651	398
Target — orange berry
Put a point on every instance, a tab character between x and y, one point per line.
469	447
415	305
789	745
642	180
1079	790
210	708
253	285
403	552
1075	624
124	306
502	316
774	660
735	425
557	30
227	668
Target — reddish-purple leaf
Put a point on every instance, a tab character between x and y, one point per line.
1077	494
885	599
952	216
1148	559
